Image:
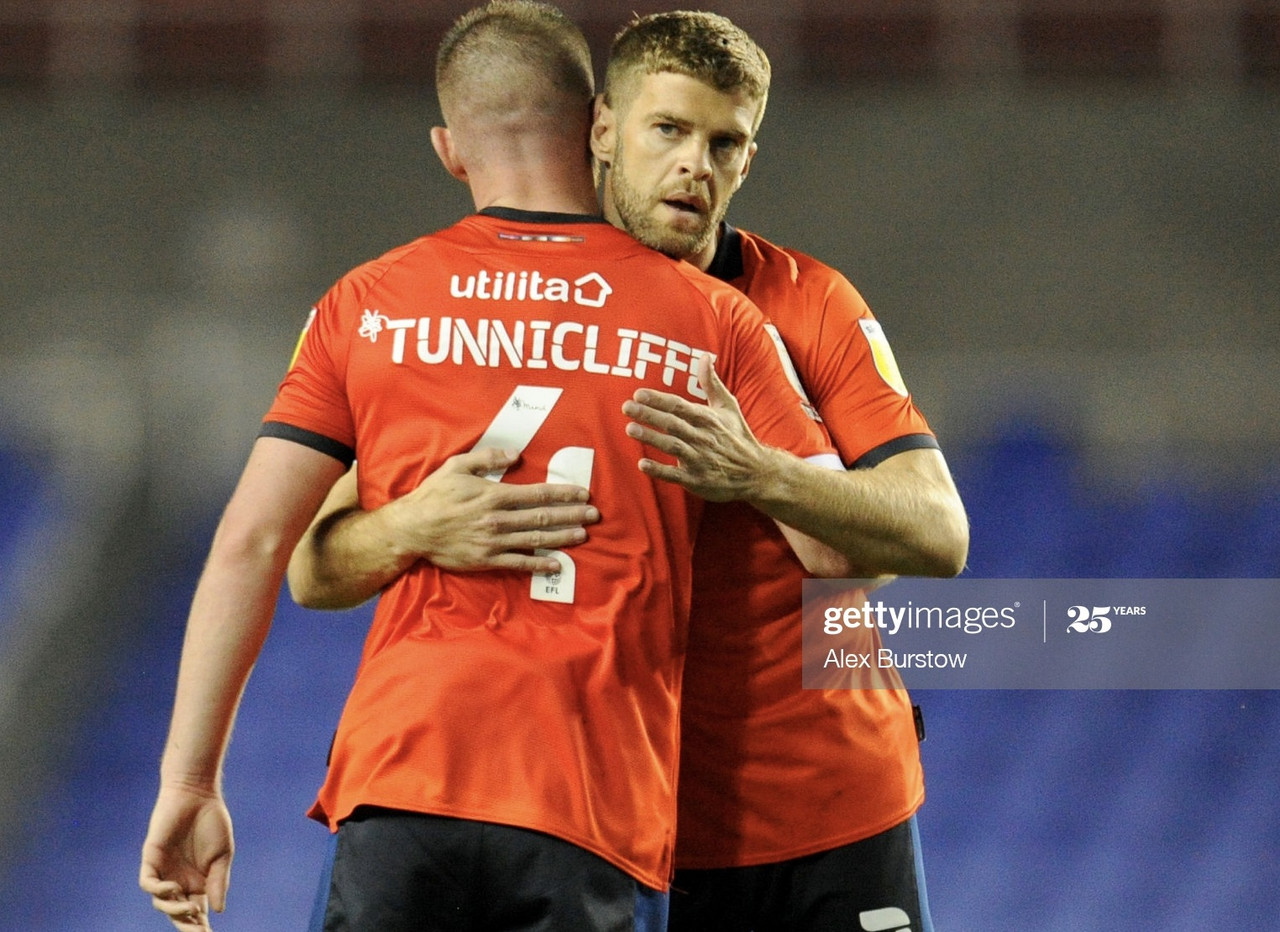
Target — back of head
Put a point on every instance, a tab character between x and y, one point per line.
704	46
513	65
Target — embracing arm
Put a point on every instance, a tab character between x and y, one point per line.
186	858
903	517
344	557
456	519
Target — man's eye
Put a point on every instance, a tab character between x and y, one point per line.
725	148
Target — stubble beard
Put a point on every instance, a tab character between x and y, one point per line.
635	211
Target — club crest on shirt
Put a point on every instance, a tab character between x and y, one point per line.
371	324
881	352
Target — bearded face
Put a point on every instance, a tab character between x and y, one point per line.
678	218
677	151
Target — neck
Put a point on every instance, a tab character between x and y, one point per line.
703	258
536	194
532	172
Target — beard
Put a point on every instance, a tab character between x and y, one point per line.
636	211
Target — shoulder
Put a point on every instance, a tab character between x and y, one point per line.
801	266
357	282
787	282
719	294
372	269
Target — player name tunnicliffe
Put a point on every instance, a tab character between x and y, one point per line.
886	659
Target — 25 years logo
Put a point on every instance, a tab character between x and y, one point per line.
1083	619
1097	620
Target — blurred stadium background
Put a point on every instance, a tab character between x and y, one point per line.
1064	213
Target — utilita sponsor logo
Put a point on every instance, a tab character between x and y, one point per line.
591	290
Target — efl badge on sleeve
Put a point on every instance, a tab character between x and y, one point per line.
302	336
886	365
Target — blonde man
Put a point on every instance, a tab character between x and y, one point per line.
796	806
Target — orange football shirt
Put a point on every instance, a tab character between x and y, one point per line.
549	703
769	770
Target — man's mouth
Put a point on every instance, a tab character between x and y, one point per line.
686	203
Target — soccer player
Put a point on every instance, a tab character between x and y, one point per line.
796	806
507	755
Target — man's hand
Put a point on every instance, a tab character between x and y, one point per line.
186	858
717	456
456	518
459	520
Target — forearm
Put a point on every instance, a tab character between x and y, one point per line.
346	558
456	519
230	617
235	599
903	517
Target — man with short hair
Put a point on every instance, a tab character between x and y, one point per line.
506	758
796	806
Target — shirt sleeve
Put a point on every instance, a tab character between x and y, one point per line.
776	412
853	379
311	405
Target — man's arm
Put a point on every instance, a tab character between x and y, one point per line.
456	519
186	858
903	517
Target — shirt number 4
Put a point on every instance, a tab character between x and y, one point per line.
513	428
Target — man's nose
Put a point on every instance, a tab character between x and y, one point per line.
695	158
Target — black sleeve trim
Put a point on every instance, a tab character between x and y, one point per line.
318	442
878	455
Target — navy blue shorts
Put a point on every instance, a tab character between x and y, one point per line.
393	871
874	885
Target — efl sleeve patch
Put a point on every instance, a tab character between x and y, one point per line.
881	352
302	336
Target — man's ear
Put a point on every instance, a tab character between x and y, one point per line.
442	142
604	131
746	165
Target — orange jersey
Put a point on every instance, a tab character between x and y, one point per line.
769	770
549	703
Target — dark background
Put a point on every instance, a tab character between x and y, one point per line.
1063	213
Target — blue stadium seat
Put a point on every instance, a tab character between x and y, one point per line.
1049	810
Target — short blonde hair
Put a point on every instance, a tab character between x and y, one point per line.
513	55
704	46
